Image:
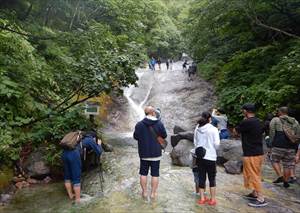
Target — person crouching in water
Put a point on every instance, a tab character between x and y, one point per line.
206	137
72	164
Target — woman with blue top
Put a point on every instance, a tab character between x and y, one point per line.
72	163
220	117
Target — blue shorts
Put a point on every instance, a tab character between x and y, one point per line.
72	166
153	165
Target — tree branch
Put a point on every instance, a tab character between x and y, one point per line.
259	23
59	112
24	34
74	15
69	97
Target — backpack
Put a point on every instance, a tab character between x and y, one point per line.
291	132
70	140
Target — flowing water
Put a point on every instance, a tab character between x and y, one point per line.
181	102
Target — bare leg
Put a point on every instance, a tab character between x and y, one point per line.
68	187
77	193
286	174
212	193
277	169
143	183
154	186
202	194
293	172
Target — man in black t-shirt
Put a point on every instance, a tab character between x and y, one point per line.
251	131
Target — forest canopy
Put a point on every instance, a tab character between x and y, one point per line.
55	54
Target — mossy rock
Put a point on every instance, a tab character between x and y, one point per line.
6	175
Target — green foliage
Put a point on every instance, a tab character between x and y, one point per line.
55	54
249	50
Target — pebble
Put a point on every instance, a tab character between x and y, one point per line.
5	198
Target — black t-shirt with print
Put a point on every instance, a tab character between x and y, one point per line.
251	130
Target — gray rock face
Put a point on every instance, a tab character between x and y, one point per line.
36	165
180	154
233	167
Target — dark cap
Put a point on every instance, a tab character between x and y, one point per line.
249	107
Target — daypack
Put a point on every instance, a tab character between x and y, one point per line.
70	140
291	131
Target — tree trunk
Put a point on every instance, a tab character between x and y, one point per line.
74	15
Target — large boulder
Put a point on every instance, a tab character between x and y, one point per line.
180	154
233	167
187	135
230	150
35	165
230	155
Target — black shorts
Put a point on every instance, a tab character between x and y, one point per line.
154	166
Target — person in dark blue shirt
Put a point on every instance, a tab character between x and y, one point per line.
72	164
149	149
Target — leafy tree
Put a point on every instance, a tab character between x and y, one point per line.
249	49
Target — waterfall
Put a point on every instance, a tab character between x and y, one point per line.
136	108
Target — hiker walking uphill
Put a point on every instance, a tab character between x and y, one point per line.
72	163
283	149
149	149
251	131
